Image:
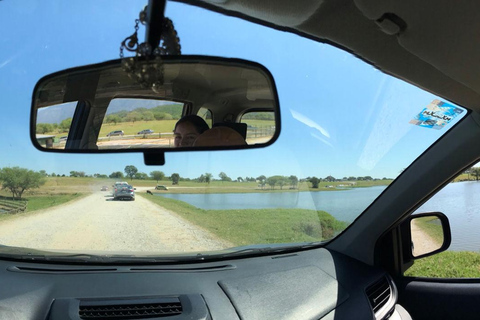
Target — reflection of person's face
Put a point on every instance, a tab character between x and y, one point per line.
185	134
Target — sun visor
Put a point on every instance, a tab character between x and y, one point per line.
443	40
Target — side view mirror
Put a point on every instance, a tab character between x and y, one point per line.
425	234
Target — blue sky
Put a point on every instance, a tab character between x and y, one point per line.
340	116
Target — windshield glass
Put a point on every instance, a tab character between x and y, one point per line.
347	131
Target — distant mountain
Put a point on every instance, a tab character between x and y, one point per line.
57	113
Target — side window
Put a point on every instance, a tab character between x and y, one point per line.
53	124
206	115
460	202
134	121
260	126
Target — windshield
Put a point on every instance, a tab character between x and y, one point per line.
347	131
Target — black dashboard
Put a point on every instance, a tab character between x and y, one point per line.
312	284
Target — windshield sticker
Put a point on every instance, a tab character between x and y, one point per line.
436	115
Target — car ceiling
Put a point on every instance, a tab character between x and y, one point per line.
430	43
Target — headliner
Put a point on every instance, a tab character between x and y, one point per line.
430	43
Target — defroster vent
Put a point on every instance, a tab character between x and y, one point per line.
130	309
379	293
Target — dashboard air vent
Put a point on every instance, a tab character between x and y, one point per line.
379	293
130	309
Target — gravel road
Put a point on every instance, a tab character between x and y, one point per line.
423	242
98	223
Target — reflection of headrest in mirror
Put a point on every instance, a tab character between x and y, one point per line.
219	136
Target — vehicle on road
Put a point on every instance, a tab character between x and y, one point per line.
104	188
381	95
124	192
146	131
161	187
115	133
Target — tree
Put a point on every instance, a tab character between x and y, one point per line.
148	116
208	177
475	172
175	178
43	128
113	118
262	181
272	181
201	178
133	116
17	180
314	181
281	181
130	171
293	181
141	176
116	175
64	125
240	179
157	175
330	179
223	176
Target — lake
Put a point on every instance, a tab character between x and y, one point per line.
459	201
344	205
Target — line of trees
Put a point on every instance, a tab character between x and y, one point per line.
292	181
166	112
473	172
63	126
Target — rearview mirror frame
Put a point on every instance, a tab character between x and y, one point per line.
406	234
76	136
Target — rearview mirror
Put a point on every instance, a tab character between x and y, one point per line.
170	104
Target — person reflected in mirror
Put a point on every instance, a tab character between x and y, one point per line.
187	129
218	137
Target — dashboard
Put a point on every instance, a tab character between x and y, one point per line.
312	284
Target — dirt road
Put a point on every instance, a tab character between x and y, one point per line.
422	241
98	223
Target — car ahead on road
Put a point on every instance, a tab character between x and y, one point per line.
104	188
161	187
124	192
146	131
115	133
381	89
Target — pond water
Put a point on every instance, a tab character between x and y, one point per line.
344	205
459	201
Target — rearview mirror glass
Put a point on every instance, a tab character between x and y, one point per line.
169	104
429	234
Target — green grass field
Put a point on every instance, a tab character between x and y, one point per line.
244	227
131	128
158	126
448	264
42	202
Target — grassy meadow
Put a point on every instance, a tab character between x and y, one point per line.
257	226
448	264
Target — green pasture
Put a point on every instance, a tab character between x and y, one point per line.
257	226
